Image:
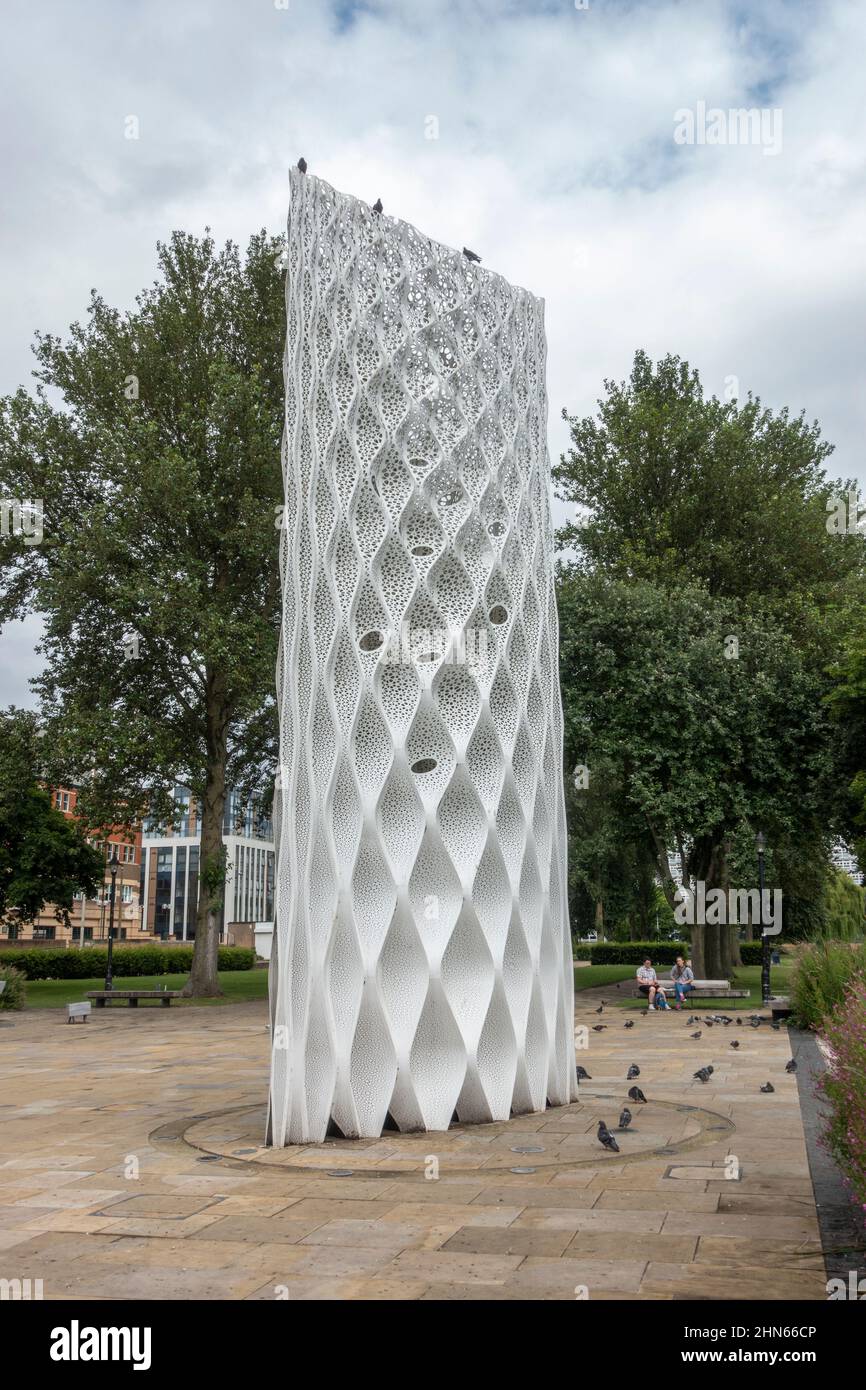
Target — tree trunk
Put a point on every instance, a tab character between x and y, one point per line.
699	964
203	980
599	918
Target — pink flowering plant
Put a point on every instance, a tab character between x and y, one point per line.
844	1084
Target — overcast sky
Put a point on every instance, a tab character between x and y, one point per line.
555	159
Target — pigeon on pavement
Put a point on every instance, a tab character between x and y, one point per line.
637	1094
702	1075
792	1065
768	1089
583	1074
625	1118
605	1137
695	1035
632	1072
735	1043
630	1024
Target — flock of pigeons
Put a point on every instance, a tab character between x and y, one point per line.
378	207
703	1074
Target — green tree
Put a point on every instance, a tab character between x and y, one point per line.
44	856
699	747
845	905
847	702
153	440
728	496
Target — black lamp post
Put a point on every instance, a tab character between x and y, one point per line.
113	865
760	846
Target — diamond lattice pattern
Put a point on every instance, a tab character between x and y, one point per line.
422	958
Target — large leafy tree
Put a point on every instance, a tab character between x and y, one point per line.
679	486
44	856
703	747
153	439
712	516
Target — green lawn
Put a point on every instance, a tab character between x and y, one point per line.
588	976
747	977
236	985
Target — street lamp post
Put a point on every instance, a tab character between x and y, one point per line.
113	863
760	845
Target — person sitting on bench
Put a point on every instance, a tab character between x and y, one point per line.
683	978
648	984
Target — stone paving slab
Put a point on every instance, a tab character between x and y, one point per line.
171	1089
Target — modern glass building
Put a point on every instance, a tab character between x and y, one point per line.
170	866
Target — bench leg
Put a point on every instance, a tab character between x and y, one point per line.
133	1003
166	1003
100	1003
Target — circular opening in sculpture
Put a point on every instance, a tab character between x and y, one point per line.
422	550
450	499
371	641
420	464
498	614
422	765
496	528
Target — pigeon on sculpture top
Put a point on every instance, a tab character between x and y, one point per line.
302	164
470	255
377	206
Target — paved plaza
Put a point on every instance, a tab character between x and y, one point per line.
132	1166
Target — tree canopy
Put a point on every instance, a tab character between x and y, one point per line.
153	438
702	602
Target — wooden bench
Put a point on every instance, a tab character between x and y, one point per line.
780	1006
132	996
74	1011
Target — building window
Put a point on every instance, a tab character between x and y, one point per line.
180	892
43	933
129	854
126	893
163	890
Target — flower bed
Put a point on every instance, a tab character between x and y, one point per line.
844	1084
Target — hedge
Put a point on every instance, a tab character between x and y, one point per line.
12	997
91	962
659	952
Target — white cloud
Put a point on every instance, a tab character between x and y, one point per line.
555	161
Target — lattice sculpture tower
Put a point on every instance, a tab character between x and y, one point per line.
422	957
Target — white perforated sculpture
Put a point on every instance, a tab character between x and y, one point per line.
422	957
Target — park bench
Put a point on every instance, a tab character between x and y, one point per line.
74	1011
132	996
780	1007
702	989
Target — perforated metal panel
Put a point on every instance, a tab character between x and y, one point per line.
423	958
